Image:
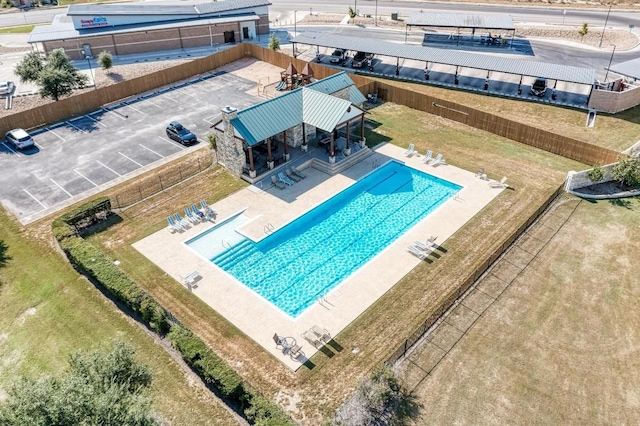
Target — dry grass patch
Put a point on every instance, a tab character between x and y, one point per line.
560	341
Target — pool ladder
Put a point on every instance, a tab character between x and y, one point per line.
268	228
226	244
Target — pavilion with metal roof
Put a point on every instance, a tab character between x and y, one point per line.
321	109
454	58
628	68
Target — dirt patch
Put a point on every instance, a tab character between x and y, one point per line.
26	314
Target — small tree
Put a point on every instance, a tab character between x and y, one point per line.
596	174
583	31
105	60
627	172
29	68
352	13
213	141
274	42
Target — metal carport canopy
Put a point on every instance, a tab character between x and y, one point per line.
628	68
456	20
451	57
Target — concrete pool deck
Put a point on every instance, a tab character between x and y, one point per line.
273	208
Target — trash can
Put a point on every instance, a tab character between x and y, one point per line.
394	16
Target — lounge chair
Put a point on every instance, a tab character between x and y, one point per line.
416	252
297	172
311	337
427	157
291	176
199	213
208	212
295	351
437	161
426	248
480	172
277	183
410	150
190	216
321	333
501	184
281	341
183	222
173	225
285	179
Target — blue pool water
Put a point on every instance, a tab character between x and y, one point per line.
299	263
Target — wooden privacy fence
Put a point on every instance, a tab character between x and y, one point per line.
459	291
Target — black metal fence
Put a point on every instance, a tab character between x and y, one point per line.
160	181
467	283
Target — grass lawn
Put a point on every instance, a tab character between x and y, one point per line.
313	394
48	311
17	30
617	132
560	345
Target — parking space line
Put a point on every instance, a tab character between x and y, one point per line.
108	168
56	135
212	120
59	186
135	109
37	201
75	127
165	96
171	143
56	125
7	146
117	114
96	121
38	145
89	180
152	103
133	161
150	150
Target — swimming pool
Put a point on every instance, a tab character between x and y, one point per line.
301	262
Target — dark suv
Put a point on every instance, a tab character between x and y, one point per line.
362	59
179	133
539	87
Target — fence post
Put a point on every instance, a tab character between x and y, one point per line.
160	179
199	166
140	192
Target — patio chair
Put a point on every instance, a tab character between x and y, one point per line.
173	225
501	184
427	157
437	161
298	172
285	179
291	176
426	248
199	213
209	213
409	150
190	216
321	333
277	183
480	172
311	337
295	351
183	222
281	341
416	252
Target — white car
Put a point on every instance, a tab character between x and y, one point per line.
19	138
6	87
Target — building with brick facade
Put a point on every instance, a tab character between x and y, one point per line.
123	29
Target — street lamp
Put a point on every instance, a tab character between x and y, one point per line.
295	23
605	25
376	15
610	60
88	58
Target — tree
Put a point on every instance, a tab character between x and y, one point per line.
274	42
596	174
583	31
627	172
105	60
352	13
98	389
56	77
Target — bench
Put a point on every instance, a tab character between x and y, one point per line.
191	278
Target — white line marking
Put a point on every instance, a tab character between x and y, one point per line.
38	145
77	128
7	146
117	114
95	121
57	135
170	142
170	98
37	201
81	175
149	149
135	109
133	161
108	168
152	103
59	186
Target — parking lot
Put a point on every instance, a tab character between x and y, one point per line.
85	155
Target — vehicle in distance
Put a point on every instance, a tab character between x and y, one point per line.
181	134
362	59
338	56
6	87
19	138
539	87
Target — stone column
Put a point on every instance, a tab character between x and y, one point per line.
230	149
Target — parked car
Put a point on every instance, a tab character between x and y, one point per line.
362	59
539	87
19	138
181	134
6	87
338	56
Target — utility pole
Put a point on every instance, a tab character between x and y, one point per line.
376	15
610	60
605	25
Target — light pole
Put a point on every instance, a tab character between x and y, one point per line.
610	60
376	15
355	7
605	25
88	58
295	23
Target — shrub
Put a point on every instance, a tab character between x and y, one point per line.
274	42
213	141
596	174
583	30
352	13
627	172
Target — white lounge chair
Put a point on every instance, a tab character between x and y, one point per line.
311	337
410	150
173	225
437	161
427	157
277	183
297	172
190	216
285	179
427	247
501	184
183	222
208	212
321	333
199	213
416	252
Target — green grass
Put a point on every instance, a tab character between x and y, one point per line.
17	30
48	312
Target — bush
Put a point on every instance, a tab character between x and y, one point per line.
596	174
352	13
627	172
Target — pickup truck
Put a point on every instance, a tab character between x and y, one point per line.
362	59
